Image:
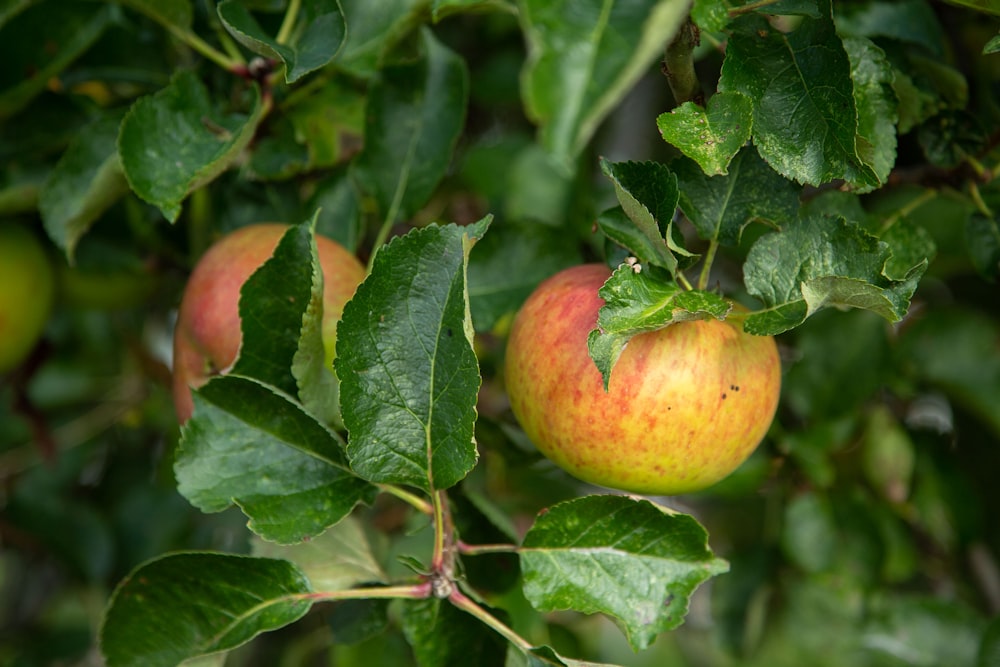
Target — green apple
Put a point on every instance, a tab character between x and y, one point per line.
27	288
207	336
685	406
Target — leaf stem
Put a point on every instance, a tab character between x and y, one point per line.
459	599
442	560
907	209
479	549
410	498
419	591
977	198
751	6
291	15
206	49
685	283
706	267
220	31
678	65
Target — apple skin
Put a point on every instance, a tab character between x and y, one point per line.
27	291
207	335
686	404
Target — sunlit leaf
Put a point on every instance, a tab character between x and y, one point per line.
624	557
409	375
709	137
637	302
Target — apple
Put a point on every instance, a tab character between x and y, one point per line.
207	335
27	289
686	404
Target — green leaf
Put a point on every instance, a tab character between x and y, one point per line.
444	636
11	8
337	203
620	556
508	265
982	238
809	534
184	605
409	375
987	6
85	182
888	456
911	21
373	28
876	104
820	261
174	142
583	56
318	34
913	630
444	8
647	192
637	302
41	42
710	15
805	116
992	46
956	352
339	559
709	137
415	114
168	13
250	444
720	207
281	305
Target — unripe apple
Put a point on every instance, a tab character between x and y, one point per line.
27	287
207	336
685	406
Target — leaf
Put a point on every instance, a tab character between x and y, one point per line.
373	28
648	195
992	46
173	142
41	42
710	15
443	8
184	605
507	266
982	238
444	636
339	559
720	207
911	21
280	303
804	112
709	137
583	56
85	182
819	261
956	352
409	375
876	104
247	443
620	556
315	40
641	302
415	114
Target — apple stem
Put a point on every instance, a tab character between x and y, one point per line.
706	267
420	591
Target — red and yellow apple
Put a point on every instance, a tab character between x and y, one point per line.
686	404
27	288
208	335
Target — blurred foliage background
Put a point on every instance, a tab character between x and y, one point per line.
864	531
